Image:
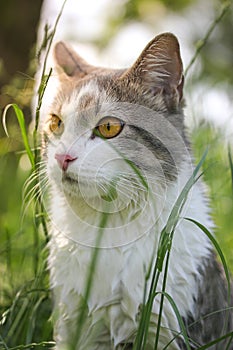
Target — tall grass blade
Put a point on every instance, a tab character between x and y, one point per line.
44	345
220	253
225	7
231	166
217	247
175	309
2	343
21	121
216	341
179	319
46	44
93	263
164	247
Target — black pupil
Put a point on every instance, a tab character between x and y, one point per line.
108	126
59	123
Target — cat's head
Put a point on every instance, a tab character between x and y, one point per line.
109	133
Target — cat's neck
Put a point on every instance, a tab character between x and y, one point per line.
82	219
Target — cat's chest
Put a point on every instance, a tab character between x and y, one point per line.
118	273
114	269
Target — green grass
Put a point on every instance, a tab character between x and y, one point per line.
25	303
218	177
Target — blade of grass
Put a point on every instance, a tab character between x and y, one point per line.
84	302
195	323
216	341
2	342
231	166
225	7
32	318
220	253
217	247
175	309
229	342
44	345
179	319
164	247
47	43
17	324
20	117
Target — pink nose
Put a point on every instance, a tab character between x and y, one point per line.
64	160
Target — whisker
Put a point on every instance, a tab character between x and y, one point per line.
35	194
30	181
127	192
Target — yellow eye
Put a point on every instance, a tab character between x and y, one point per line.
109	127
56	125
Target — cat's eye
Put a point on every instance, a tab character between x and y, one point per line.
109	127
56	125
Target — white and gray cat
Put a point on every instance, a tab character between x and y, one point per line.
107	135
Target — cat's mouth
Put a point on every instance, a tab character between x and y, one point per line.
68	180
78	186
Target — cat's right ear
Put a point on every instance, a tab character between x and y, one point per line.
69	62
159	67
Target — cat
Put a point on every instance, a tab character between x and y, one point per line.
117	157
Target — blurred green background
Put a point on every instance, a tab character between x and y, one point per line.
25	303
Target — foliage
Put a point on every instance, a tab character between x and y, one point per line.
218	176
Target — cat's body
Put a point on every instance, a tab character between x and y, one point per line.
102	127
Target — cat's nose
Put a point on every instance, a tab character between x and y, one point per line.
64	160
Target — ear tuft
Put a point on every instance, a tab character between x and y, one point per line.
71	63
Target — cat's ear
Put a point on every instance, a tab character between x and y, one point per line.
159	67
70	62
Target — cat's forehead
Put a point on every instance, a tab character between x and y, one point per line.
103	86
82	98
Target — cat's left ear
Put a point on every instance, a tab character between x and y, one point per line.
71	64
159	67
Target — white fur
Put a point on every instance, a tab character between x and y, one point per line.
120	273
